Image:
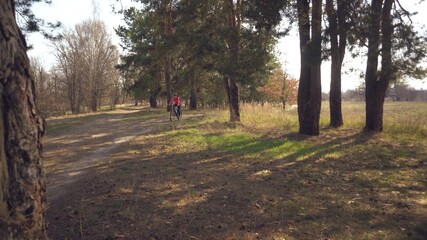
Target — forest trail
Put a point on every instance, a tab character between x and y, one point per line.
80	150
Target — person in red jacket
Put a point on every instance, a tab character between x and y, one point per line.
176	101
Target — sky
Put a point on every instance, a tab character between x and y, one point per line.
73	12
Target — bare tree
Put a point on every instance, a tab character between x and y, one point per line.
67	53
86	56
41	81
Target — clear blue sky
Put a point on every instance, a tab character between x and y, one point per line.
76	11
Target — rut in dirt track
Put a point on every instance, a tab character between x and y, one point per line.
75	153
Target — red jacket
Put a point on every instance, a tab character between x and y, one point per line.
176	101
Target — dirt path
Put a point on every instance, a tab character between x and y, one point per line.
74	153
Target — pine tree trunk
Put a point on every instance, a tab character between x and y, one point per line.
335	102
374	108
336	119
376	86
232	91
168	83
193	94
283	96
234	102
235	24
153	100
193	99
309	90
168	31
22	183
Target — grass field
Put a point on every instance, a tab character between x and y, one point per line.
259	179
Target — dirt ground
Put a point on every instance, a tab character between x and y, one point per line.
111	177
74	154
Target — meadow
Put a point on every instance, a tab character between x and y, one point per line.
207	178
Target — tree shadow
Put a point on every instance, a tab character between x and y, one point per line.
232	189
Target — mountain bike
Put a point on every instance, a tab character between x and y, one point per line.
174	114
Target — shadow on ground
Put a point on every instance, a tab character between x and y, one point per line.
343	186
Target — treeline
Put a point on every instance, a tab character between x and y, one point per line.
84	75
222	52
396	92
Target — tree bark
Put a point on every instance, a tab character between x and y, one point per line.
376	85
193	94
193	99
168	31
22	183
153	100
283	96
168	83
336	25
155	94
94	102
309	90
232	91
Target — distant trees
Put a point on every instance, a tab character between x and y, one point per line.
280	88
399	90
48	89
84	76
86	60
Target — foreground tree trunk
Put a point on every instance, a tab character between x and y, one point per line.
309	90
376	86
22	184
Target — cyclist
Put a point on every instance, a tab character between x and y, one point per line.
176	101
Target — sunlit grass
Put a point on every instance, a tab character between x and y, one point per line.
403	120
235	139
266	117
263	130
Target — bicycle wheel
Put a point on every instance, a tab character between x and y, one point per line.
173	116
179	114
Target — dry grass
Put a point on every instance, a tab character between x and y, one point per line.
258	179
405	120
